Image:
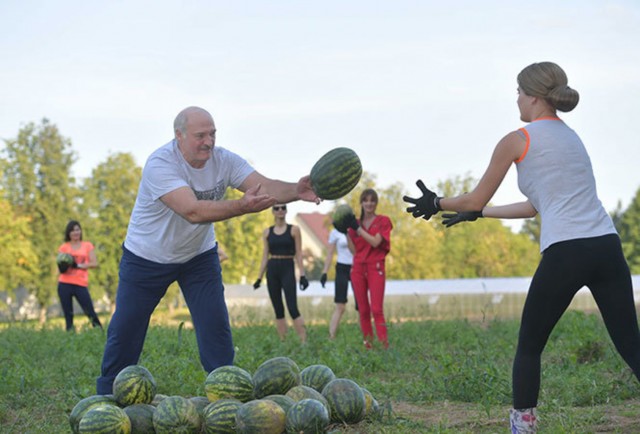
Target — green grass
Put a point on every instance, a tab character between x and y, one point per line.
447	376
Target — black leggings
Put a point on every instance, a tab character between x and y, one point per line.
567	266
281	276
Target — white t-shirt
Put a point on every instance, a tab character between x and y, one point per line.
344	255
156	232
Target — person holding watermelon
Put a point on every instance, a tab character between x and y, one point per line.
74	277
171	238
578	241
369	239
282	244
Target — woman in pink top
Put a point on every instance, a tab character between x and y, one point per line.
74	279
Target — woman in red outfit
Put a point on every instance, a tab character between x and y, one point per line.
370	240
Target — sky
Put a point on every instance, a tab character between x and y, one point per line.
419	89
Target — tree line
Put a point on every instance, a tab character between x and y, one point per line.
39	195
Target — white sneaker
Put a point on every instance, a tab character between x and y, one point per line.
523	421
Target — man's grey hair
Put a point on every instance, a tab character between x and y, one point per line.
180	123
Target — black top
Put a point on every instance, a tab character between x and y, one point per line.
282	245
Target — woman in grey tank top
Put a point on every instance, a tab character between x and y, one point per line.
577	234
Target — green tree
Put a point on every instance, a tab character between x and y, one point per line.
17	259
628	225
485	248
241	239
37	181
108	198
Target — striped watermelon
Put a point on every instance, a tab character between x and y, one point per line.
176	414
283	401
346	400
260	416
298	393
229	382
85	405
105	419
134	385
201	402
220	417
157	399
336	173
372	408
275	377
141	417
317	376
307	416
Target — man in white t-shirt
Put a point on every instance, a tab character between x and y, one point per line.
171	238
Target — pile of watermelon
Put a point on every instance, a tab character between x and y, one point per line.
277	398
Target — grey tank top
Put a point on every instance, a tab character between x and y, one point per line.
555	174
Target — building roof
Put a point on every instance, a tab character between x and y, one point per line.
315	229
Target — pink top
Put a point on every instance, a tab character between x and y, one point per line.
76	276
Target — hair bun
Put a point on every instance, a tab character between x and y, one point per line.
563	98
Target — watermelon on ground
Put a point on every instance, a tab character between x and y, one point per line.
201	402
317	376
134	385
220	417
283	401
141	417
298	393
176	414
275	377
308	416
346	400
105	418
229	382
86	404
260	416
336	173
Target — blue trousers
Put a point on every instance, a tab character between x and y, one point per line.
141	286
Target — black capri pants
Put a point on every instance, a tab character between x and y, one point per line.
281	277
343	276
565	267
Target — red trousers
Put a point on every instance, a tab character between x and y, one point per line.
368	282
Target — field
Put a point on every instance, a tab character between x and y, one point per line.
439	376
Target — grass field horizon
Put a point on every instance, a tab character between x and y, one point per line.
439	376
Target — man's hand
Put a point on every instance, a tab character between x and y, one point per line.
252	201
304	283
305	190
323	279
467	216
257	283
425	206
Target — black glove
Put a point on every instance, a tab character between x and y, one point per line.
323	279
73	264
304	283
467	216
351	222
257	283
63	267
425	206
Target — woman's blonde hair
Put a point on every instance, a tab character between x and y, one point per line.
548	81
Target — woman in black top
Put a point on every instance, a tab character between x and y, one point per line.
282	244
